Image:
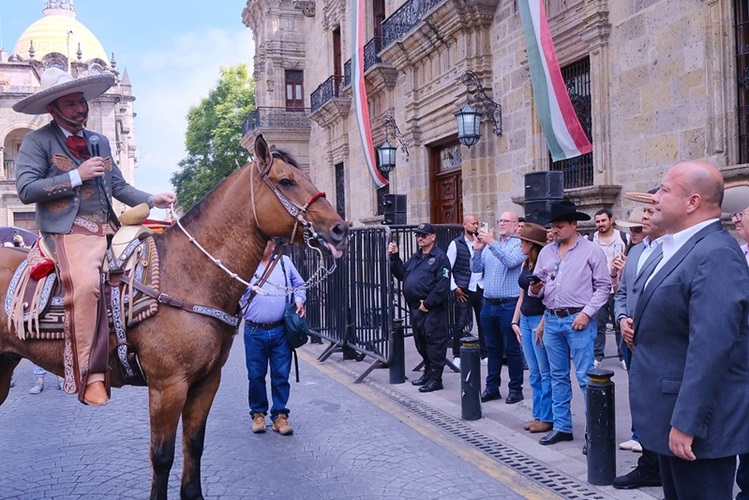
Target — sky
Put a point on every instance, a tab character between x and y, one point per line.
173	51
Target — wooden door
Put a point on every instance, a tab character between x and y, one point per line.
446	184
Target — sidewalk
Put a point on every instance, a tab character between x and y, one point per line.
499	434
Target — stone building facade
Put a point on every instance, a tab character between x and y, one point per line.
58	40
653	81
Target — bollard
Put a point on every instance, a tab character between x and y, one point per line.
398	359
470	379
601	421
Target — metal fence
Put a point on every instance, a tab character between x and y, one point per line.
355	307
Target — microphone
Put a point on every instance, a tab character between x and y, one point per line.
93	145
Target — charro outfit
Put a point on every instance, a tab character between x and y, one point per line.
427	277
73	216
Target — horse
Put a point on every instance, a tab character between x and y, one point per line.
181	353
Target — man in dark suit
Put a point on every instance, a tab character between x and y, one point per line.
690	358
640	262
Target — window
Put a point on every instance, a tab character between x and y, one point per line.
25	220
294	89
742	76
340	190
578	172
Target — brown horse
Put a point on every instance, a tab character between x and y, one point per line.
182	353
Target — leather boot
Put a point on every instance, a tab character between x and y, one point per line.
96	394
432	385
421	380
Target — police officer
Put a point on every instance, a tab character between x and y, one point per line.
426	285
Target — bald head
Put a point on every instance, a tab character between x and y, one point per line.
691	192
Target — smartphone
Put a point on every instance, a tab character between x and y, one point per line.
534	279
484	226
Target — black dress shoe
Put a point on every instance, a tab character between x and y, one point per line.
490	396
636	479
432	385
421	380
554	437
514	397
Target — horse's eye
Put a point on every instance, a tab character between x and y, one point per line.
286	183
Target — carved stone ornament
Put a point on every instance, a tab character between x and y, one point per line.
306	6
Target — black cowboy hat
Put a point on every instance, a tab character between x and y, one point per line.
565	211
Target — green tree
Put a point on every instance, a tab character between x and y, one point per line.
214	130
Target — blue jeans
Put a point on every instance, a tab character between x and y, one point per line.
501	341
560	341
262	348
539	373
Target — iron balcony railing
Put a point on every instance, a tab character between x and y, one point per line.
327	90
371	49
269	117
406	19
9	169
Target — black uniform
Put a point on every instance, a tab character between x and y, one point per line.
427	278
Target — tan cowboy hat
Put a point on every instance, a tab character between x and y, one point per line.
735	197
639	197
57	83
635	219
534	233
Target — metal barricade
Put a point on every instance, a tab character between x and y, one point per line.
354	308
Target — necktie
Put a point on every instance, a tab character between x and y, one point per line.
78	146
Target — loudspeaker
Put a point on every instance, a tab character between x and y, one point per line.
398	219
394	204
546	185
538	211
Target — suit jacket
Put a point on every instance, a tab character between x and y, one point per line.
690	361
632	282
42	177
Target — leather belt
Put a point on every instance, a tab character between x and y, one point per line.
564	312
266	326
498	302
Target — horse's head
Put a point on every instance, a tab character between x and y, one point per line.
279	183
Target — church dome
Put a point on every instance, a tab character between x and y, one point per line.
59	31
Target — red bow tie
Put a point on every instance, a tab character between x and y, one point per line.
78	146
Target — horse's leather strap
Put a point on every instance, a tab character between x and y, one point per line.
212	312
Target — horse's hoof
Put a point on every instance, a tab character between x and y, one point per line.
96	394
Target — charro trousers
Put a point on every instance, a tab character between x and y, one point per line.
79	258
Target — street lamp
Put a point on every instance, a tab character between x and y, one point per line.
386	152
469	118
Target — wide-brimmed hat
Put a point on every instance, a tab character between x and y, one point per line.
735	197
634	220
57	83
424	228
533	232
565	211
640	197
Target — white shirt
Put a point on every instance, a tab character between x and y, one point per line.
649	249
477	279
673	242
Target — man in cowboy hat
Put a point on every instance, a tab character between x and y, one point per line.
69	173
574	283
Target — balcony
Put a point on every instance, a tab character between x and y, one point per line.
385	75
327	91
406	19
9	170
276	118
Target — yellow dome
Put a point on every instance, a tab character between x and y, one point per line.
58	31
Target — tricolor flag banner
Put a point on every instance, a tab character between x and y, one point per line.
359	90
563	131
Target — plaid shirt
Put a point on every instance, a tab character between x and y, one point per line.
500	264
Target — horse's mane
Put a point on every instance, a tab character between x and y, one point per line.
198	208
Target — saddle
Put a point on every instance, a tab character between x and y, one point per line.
35	306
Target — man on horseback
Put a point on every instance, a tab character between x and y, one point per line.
69	173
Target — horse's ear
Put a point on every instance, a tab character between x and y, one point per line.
261	149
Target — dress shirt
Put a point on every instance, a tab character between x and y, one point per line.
745	249
500	265
580	279
477	279
270	308
673	242
648	248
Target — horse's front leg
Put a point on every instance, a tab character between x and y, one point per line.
198	404
7	365
166	402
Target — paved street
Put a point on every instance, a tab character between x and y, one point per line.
344	447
